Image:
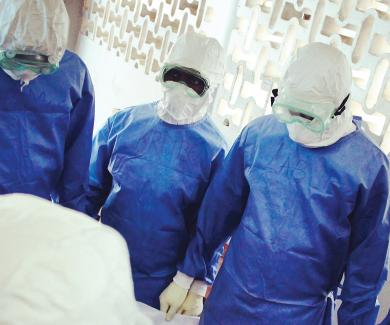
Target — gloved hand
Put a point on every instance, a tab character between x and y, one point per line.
171	299
192	306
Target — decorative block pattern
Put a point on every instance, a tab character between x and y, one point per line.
266	34
141	31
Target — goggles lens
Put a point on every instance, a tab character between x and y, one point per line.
303	116
291	110
36	63
188	77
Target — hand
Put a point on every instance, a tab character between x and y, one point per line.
192	306
171	299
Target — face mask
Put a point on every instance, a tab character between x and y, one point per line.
24	76
180	105
337	128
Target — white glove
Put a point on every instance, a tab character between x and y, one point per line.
171	299
192	306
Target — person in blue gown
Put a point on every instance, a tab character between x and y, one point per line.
151	165
46	105
304	193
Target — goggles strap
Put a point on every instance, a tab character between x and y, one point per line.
341	108
274	95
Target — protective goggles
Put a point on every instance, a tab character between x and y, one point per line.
20	61
189	77
292	110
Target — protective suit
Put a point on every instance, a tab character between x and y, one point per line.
149	171
300	218
45	128
61	267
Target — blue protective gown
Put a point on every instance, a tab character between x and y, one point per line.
46	133
150	178
300	218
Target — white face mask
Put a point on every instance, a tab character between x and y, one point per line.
178	107
336	129
25	76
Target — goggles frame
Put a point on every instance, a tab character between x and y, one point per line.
285	103
35	62
292	110
193	92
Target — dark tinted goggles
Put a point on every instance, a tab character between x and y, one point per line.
31	58
188	77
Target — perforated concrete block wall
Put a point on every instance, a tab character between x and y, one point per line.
142	32
266	34
263	35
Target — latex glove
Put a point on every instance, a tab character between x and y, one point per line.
193	305
171	299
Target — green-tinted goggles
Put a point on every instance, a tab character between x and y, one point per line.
291	110
18	61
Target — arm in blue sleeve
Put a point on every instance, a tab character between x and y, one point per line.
366	268
216	164
219	215
73	183
100	179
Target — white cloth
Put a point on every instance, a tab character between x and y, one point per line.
203	54
61	267
158	317
320	73
34	25
177	107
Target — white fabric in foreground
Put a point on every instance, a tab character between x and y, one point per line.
61	267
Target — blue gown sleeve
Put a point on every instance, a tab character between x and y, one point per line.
100	179
73	183
366	268
219	215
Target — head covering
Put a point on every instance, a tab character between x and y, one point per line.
61	267
203	54
320	73
39	26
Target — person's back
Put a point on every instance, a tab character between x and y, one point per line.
60	267
46	107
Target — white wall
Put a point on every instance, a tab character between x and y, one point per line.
117	84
